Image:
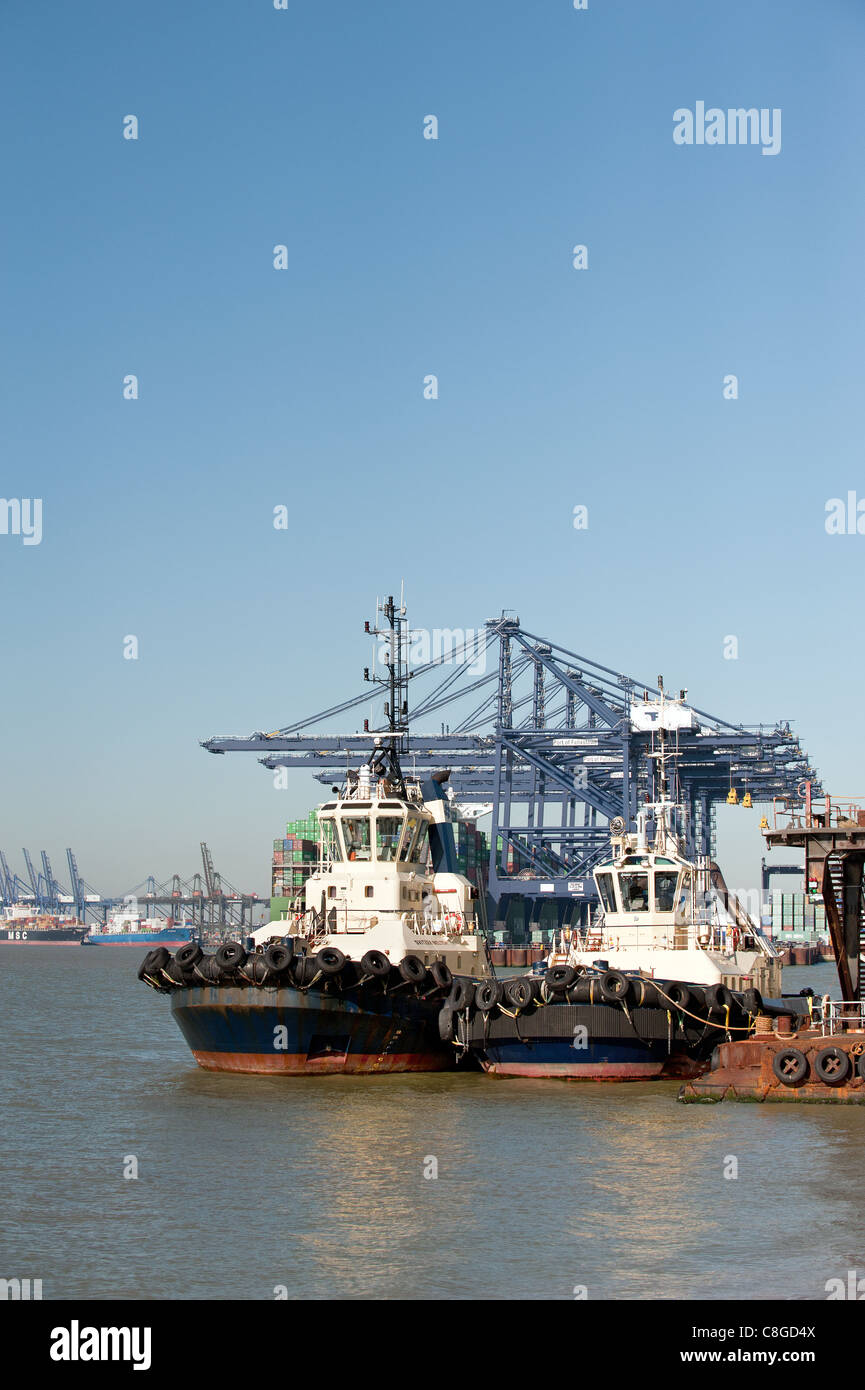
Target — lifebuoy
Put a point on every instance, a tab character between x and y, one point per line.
790	1066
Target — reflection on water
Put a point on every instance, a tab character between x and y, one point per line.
317	1183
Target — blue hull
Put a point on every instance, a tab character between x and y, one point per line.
164	936
286	1031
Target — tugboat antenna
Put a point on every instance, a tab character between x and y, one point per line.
385	760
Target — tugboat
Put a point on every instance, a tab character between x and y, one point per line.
355	981
671	966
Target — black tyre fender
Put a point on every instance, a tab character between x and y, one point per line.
560	978
412	970
718	997
176	975
278	957
230	955
208	970
615	986
188	955
488	993
860	1066
752	1001
446	1024
153	962
441	974
519	993
330	960
375	963
462	993
790	1066
677	992
304	969
832	1065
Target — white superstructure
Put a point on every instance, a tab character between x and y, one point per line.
385	880
662	913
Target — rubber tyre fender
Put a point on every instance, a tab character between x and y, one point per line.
677	992
615	987
278	957
752	1001
375	963
718	997
153	962
860	1066
208	970
559	978
488	993
441	974
412	970
188	955
462	993
304	970
446	1024
796	1071
832	1065
230	955
519	993
177	976
330	960
256	969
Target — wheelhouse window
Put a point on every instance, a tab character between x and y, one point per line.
387	832
665	891
330	839
355	830
684	895
418	854
634	889
607	892
410	832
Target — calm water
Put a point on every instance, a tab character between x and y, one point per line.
317	1184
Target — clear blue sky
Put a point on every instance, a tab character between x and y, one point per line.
304	387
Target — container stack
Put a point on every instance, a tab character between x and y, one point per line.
473	849
795	915
295	857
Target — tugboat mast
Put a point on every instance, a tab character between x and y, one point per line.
385	759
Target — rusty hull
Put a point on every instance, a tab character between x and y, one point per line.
743	1071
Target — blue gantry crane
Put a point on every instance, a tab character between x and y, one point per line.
551	744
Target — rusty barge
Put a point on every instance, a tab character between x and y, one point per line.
819	1058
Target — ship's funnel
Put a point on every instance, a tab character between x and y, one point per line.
441	831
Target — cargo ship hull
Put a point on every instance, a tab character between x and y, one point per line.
176	936
46	936
290	1032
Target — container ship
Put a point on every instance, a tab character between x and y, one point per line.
22	925
129	928
354	978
